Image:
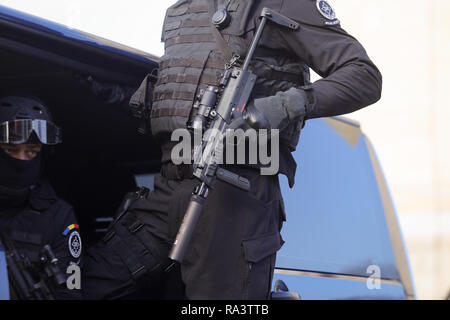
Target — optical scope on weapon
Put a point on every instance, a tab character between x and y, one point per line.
32	281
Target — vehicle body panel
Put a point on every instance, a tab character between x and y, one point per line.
335	217
313	286
4	287
340	217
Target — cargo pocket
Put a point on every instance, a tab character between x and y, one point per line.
259	263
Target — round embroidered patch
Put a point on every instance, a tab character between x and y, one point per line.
325	9
75	244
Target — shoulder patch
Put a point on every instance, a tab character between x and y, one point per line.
325	9
75	244
311	12
69	229
74	241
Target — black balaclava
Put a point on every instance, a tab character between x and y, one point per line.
16	178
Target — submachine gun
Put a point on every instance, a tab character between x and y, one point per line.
22	275
217	107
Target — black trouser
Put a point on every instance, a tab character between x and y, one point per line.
231	254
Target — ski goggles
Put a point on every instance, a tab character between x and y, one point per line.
19	131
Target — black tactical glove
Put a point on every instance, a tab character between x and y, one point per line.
285	111
277	112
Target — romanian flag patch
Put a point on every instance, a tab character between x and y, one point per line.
70	228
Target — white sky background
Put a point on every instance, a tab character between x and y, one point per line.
409	40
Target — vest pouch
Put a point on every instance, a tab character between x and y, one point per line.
178	9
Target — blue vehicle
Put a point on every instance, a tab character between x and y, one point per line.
4	287
343	239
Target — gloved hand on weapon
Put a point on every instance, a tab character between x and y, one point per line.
277	112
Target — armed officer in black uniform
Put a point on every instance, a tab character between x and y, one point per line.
233	249
31	214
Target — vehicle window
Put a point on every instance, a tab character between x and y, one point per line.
335	217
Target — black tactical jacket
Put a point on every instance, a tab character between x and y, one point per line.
45	219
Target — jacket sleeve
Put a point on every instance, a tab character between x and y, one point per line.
350	80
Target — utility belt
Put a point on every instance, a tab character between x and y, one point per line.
169	170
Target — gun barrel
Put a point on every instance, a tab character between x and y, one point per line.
187	227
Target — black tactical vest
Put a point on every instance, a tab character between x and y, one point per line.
193	60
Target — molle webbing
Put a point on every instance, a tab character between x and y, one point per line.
192	63
189	38
192	79
171	112
203	22
174	95
187	10
217	63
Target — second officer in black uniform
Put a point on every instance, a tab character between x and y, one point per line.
31	214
